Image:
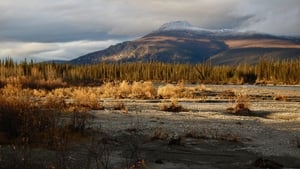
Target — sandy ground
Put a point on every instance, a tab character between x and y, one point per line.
209	137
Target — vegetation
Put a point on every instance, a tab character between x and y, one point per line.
241	106
50	75
46	107
172	107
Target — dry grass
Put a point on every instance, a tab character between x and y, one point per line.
109	89
33	114
173	106
143	90
167	91
124	89
280	98
34	83
30	120
212	134
241	106
83	97
89	96
120	106
179	91
160	134
136	90
227	94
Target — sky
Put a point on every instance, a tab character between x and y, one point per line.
66	29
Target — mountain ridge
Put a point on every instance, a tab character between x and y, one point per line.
182	42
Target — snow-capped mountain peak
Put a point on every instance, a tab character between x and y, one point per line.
176	25
184	25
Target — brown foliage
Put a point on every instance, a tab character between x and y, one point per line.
241	106
172	107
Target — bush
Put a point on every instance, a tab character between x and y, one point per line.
83	97
124	90
30	120
172	107
241	106
177	91
143	90
160	134
13	115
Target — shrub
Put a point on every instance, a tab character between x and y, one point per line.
80	120
241	106
137	90
280	98
177	91
160	134
42	83
12	115
124	90
109	89
167	91
172	107
227	94
31	120
120	106
83	97
143	90
149	89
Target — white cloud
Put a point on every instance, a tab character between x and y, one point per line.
50	51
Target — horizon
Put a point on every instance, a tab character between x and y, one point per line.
64	30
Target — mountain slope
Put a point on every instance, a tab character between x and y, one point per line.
181	42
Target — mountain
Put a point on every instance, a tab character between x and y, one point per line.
182	42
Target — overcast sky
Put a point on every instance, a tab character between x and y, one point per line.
66	29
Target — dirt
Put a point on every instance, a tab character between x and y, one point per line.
203	135
206	135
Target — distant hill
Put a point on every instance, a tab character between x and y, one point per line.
181	42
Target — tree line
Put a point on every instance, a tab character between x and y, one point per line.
266	71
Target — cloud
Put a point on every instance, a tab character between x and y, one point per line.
274	17
51	51
70	20
48	23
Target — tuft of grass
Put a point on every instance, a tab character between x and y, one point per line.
227	94
143	90
124	89
159	134
212	134
137	90
280	98
172	107
83	97
120	106
176	91
167	91
109	89
241	106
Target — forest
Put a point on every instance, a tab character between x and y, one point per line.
52	75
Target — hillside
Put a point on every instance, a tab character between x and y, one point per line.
181	42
